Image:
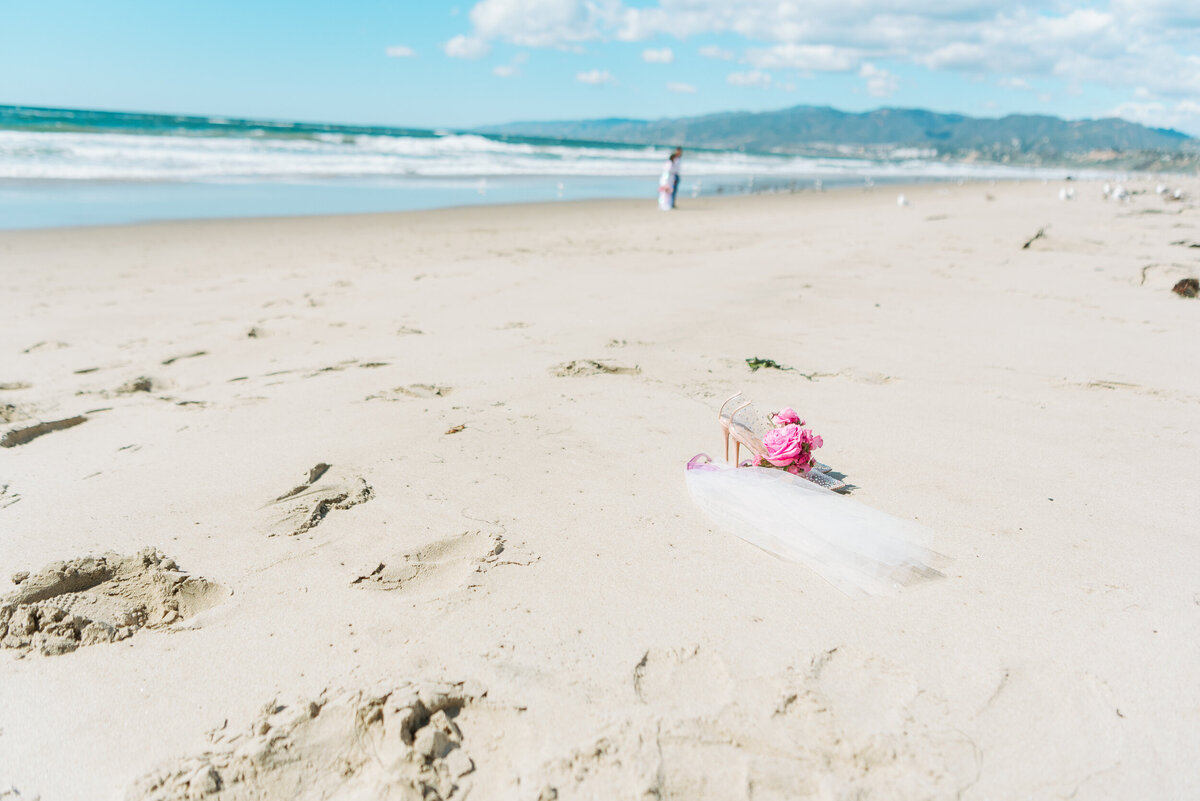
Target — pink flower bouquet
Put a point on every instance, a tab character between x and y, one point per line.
789	446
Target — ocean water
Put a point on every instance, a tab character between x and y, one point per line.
77	167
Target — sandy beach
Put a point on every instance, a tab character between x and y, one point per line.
393	505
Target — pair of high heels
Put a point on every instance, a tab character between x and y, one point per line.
741	431
745	425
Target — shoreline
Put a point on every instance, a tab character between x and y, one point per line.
899	184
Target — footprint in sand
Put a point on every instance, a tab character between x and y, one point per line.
7	496
581	367
99	599
676	677
837	725
142	383
412	391
305	506
10	413
401	743
444	565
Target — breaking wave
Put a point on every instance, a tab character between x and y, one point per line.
252	155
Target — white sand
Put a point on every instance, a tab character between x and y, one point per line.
1038	409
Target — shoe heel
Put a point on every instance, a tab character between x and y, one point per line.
724	422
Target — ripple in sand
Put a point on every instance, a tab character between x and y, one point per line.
193	355
21	436
99	599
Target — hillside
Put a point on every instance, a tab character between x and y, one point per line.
804	129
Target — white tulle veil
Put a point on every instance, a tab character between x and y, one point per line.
855	548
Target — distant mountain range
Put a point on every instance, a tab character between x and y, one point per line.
820	129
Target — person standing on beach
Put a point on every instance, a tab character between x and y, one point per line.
677	157
668	184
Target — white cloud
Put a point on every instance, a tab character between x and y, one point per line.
401	51
513	68
682	88
880	82
543	23
957	56
469	47
595	77
823	58
1119	44
811	22
1015	83
713	51
1175	16
664	56
751	78
1183	115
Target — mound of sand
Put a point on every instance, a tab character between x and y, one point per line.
400	743
99	599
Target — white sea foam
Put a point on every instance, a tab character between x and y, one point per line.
134	157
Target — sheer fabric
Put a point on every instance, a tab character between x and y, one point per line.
855	548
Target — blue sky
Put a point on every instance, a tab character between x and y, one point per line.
430	64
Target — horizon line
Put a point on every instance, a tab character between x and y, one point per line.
434	129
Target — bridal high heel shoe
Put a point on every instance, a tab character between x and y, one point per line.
725	422
739	431
745	425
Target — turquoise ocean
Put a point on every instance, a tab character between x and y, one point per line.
79	167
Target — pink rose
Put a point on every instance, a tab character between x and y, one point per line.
783	445
810	439
787	416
